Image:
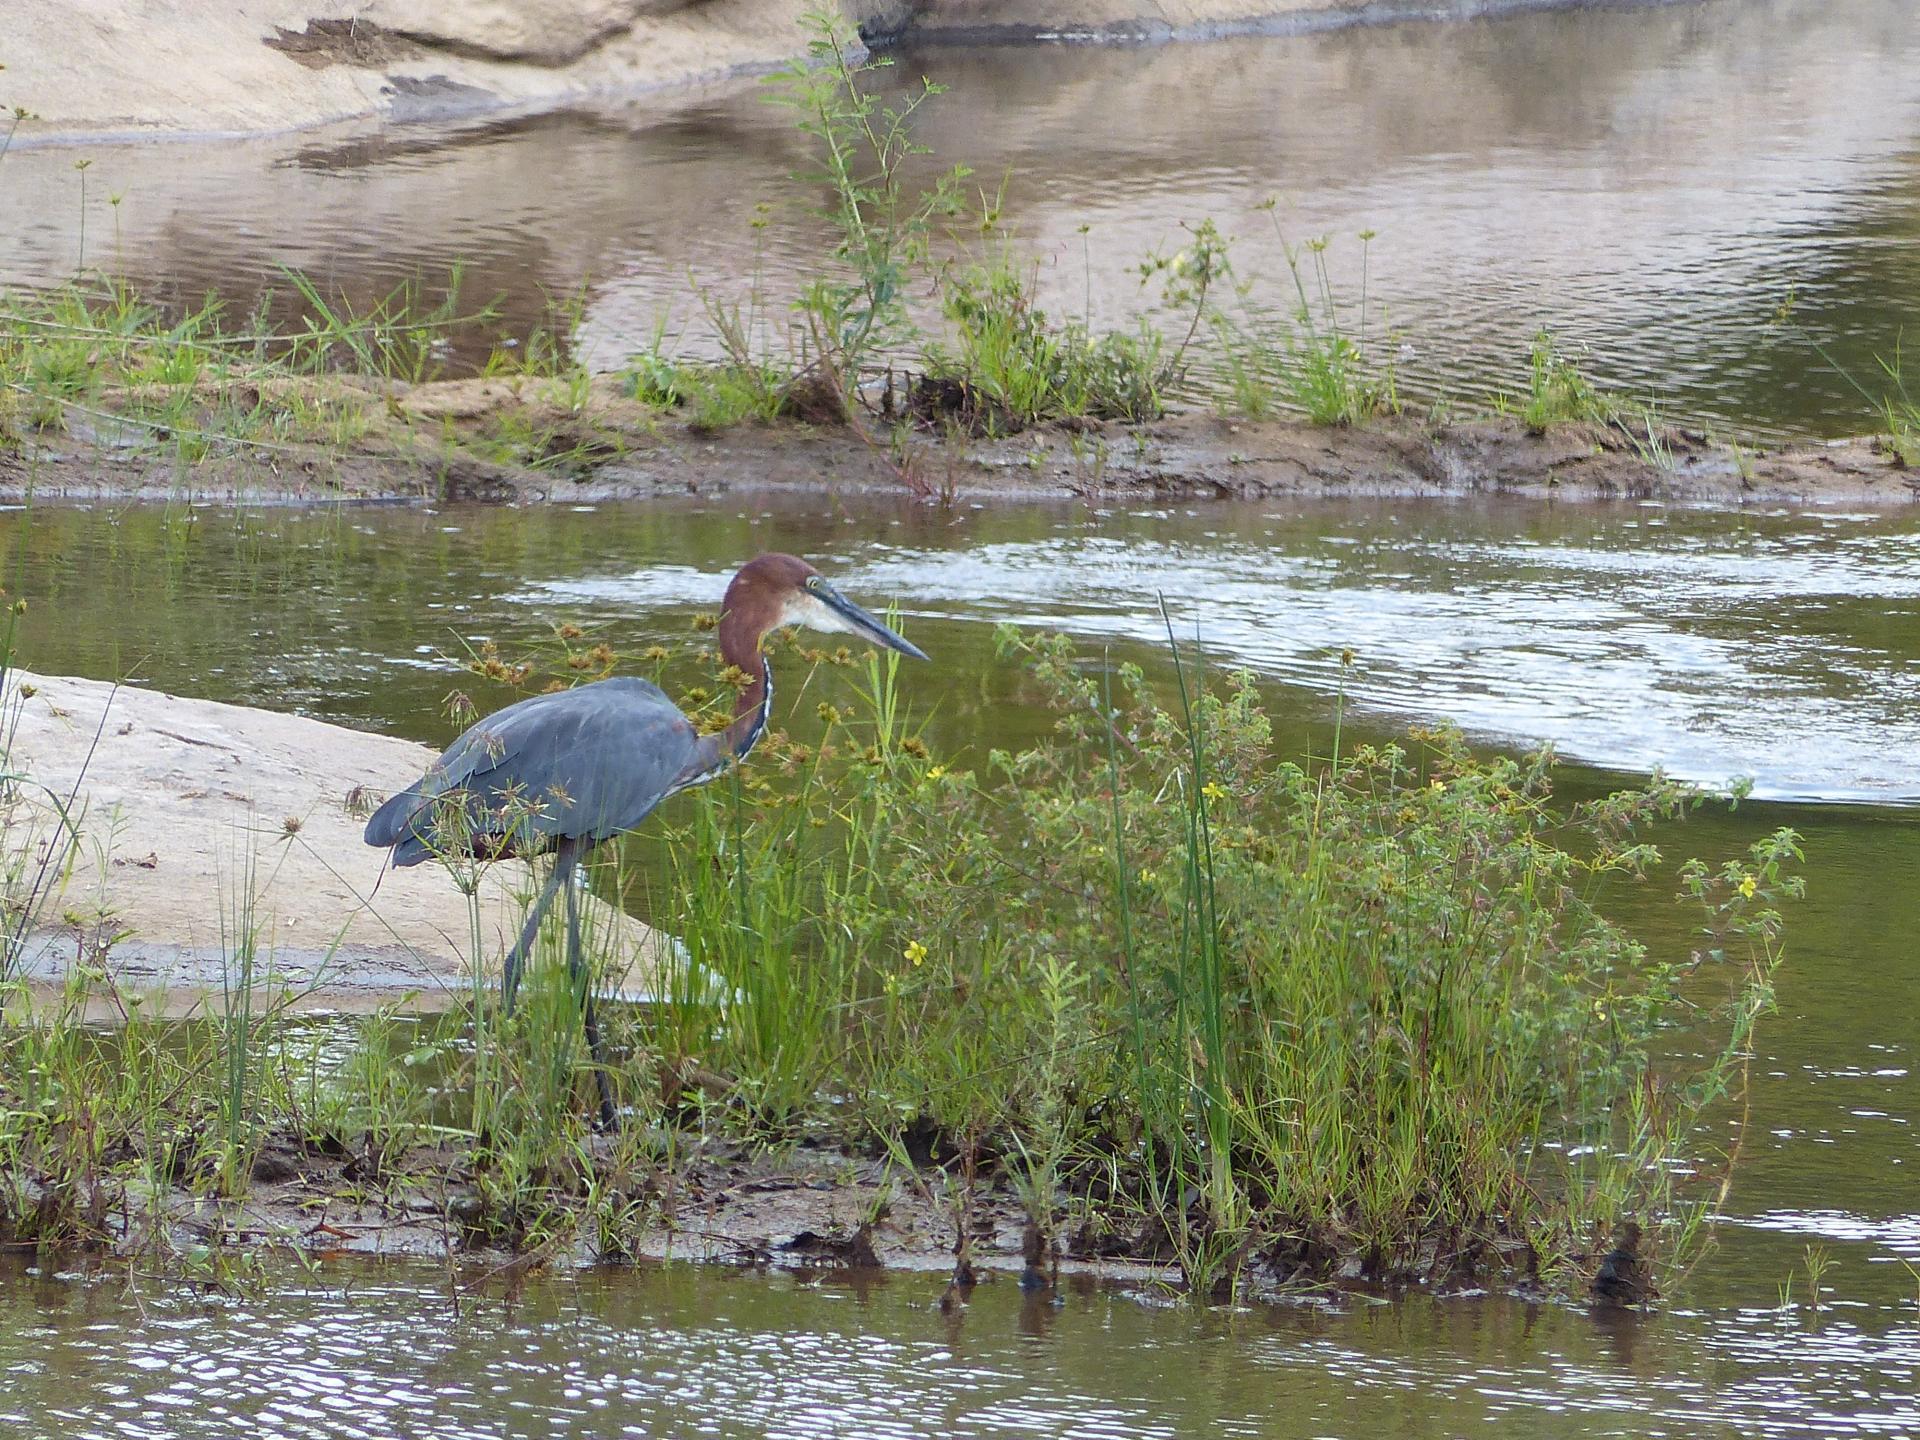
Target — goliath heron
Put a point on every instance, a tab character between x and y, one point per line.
561	772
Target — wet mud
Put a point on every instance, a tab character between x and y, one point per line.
805	1207
530	442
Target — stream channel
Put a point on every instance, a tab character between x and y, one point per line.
1649	182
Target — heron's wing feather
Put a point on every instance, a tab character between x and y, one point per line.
582	763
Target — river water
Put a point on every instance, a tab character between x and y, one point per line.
1646	181
1653	184
681	1353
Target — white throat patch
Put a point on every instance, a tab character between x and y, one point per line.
809	610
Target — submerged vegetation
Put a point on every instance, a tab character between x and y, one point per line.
1170	995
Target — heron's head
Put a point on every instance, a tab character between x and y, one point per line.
775	590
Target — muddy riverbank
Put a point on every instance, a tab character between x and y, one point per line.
808	1206
532	442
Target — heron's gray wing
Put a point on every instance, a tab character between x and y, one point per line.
584	763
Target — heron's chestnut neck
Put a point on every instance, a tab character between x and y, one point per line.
755	601
742	628
752	608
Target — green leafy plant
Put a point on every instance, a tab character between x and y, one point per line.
1557	391
1314	361
1650	440
1356	1003
1010	366
16	117
862	149
1189	277
1899	411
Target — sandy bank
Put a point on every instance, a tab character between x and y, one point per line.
187	807
185	68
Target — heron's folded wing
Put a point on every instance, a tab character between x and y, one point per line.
587	762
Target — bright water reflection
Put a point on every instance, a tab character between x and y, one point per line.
683	1353
1783	647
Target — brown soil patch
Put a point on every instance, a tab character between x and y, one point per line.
342	42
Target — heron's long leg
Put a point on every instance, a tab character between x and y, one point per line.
563	859
583	988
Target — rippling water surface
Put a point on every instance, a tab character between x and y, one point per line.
680	1353
1778	647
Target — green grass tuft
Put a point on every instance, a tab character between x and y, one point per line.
1558	393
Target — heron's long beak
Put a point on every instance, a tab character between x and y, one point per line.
865	624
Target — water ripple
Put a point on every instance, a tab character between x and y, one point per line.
1786	652
690	1352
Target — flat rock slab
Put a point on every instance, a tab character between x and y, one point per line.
203	823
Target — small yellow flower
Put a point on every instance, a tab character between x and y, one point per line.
915	952
1147	877
1747	887
937	772
1214	790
